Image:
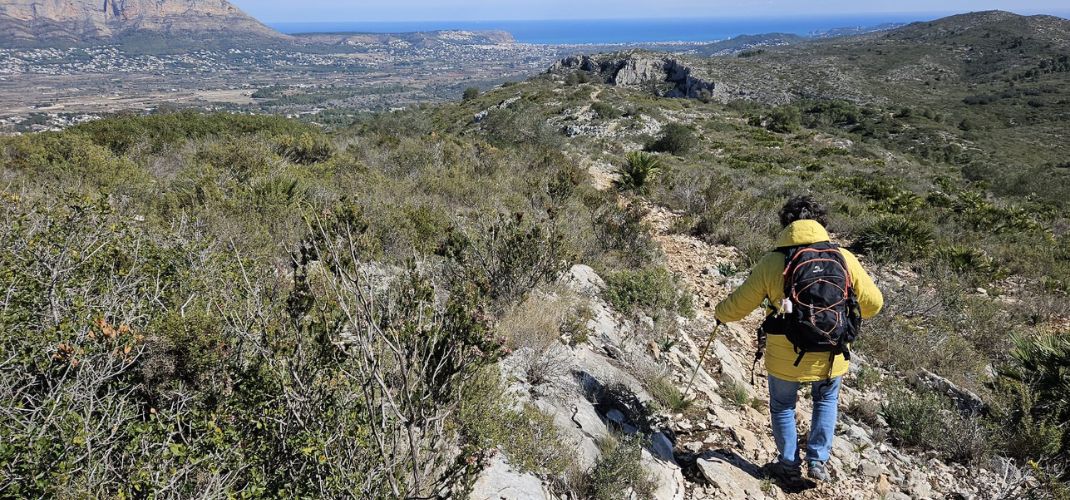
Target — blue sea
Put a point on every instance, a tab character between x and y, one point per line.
619	31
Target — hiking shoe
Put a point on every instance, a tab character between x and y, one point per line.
783	472
818	472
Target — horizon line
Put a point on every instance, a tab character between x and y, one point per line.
1061	14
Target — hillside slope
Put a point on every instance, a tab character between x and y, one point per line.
956	201
947	55
993	84
508	295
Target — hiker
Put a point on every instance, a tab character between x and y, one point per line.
818	294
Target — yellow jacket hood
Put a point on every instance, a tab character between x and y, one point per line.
802	232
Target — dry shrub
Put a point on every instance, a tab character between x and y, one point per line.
928	420
489	418
533	329
736	218
619	472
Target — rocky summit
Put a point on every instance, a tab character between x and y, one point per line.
66	21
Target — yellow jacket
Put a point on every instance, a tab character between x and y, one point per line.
767	281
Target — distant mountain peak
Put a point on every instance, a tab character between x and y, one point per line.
1054	28
75	21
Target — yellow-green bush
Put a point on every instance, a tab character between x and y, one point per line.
207	303
896	238
653	291
928	420
619	471
526	436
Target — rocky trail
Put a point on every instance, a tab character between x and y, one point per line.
703	268
863	465
713	447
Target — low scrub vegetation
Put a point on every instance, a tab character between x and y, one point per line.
896	238
213	305
527	436
221	305
620	471
670	397
928	420
652	291
676	138
535	327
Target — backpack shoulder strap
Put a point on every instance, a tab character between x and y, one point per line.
824	245
846	268
786	251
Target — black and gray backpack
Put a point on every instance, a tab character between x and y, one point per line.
820	312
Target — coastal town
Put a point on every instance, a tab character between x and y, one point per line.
51	88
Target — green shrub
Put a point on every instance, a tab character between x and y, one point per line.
784	119
969	260
241	157
734	392
276	191
185	353
575	328
470	94
867	378
867	412
896	238
155	336
676	139
509	257
121	134
619	472
668	395
620	236
606	111
884	195
941	330
527	437
638	171
521	124
651	290
734	217
1024	433
305	149
832	113
928	420
578	77
1034	399
71	161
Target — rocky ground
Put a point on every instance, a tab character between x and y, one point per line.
716	447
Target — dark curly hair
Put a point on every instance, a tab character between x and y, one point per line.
803	207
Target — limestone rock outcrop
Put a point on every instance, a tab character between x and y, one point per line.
73	21
669	76
500	481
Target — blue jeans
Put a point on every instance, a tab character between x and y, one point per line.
782	397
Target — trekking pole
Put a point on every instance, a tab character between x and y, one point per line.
702	358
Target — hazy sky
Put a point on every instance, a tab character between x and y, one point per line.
468	10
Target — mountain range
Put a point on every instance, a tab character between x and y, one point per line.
30	22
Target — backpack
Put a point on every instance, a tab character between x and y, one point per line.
820	312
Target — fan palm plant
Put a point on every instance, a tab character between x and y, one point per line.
637	172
